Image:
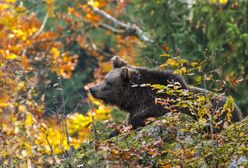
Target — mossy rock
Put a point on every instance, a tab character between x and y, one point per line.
172	140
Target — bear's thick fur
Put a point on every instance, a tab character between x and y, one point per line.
124	87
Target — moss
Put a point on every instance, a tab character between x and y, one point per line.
172	140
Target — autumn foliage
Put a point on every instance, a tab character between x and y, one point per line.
27	54
40	45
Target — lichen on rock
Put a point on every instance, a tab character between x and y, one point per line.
174	139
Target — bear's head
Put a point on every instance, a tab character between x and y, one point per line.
112	89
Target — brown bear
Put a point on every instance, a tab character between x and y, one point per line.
125	87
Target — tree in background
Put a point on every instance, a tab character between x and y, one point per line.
214	32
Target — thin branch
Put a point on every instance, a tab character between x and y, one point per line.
130	29
110	28
37	33
65	120
93	132
108	17
93	125
94	47
49	144
42	26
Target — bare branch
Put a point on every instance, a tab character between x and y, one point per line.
110	28
42	26
108	16
37	33
65	121
49	144
130	29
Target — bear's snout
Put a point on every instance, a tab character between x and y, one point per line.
96	91
92	91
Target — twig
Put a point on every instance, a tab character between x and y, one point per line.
41	27
212	138
108	17
49	144
95	48
65	121
93	126
37	33
93	130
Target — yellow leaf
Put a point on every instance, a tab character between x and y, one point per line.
50	7
22	109
229	107
20	86
221	2
180	71
96	4
241	134
162	66
194	64
55	52
184	70
158	86
29	120
11	56
10	1
19	33
164	55
182	61
177	71
70	10
115	151
172	62
198	79
4	6
3	104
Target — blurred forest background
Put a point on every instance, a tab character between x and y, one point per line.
51	51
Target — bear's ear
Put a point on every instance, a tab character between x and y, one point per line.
125	73
117	62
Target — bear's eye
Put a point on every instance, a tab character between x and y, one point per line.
109	83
